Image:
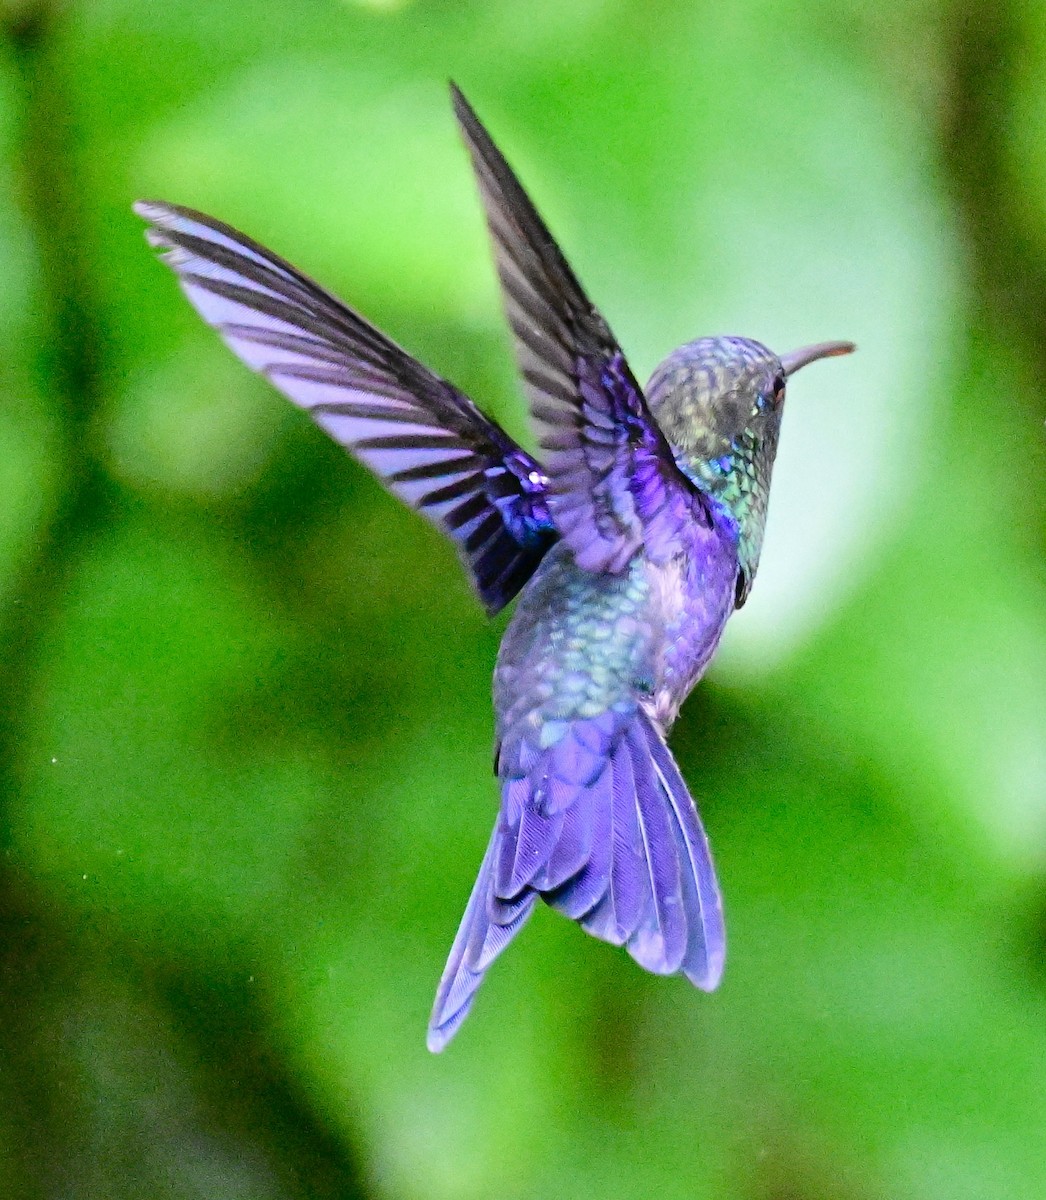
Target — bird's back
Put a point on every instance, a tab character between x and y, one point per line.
581	642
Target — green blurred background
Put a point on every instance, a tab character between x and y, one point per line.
244	697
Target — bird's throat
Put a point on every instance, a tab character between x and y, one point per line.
735	483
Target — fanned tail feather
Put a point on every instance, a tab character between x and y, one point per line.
479	941
600	826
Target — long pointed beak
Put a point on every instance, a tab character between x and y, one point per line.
808	354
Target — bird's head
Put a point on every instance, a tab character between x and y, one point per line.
719	402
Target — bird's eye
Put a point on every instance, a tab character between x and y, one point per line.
777	395
772	397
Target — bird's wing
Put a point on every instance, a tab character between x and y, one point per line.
426	441
614	484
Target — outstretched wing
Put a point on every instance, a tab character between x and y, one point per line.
614	485
425	440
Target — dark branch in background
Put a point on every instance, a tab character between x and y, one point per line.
236	1064
986	49
68	365
985	45
258	1101
125	1081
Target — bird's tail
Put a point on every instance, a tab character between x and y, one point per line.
599	825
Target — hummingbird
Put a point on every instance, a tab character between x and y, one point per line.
629	543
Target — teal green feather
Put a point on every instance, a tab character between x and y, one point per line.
719	403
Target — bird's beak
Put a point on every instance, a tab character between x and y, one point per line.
808	354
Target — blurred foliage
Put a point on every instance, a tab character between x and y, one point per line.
244	698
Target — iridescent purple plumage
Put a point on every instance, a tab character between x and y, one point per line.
632	541
426	441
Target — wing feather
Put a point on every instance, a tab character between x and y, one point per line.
427	442
614	485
